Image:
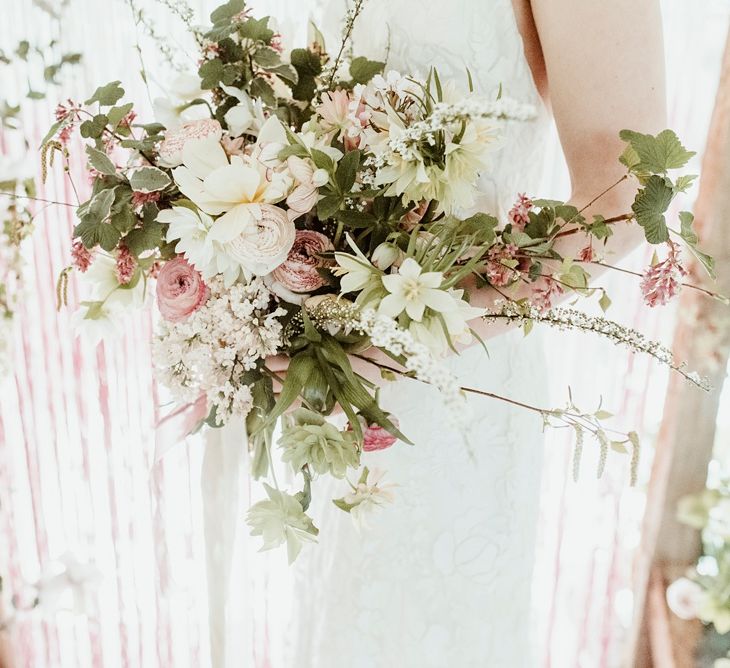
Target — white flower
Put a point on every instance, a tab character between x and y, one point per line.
210	351
386	255
247	116
367	496
356	272
106	301
722	663
176	109
684	597
412	291
250	231
192	229
281	519
302	199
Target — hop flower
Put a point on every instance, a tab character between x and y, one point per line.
519	213
281	519
81	257
663	281
310	439
126	265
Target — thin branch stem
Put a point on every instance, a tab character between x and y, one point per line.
349	27
38	199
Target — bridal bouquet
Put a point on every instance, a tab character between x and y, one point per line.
314	206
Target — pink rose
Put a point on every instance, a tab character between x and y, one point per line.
375	437
180	290
298	272
171	149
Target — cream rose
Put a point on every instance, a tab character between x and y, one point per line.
265	241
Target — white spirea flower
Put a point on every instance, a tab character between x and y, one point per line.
209	351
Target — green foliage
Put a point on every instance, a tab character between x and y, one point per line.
107	95
689	236
100	161
654	154
363	70
149	180
94	128
649	207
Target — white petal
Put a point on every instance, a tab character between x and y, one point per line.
202	156
233	183
231	224
410	268
393	306
438	300
415	309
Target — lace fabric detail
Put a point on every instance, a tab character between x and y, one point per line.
442	577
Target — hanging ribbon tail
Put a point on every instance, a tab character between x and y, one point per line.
224	459
173	428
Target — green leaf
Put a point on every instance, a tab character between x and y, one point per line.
100	161
262	89
149	180
210	73
649	207
687	233
144	238
306	62
328	206
684	182
94	128
690	238
267	57
322	160
99	207
656	154
116	114
347	170
286	72
604	302
108	95
257	30
362	69
227	11
123	219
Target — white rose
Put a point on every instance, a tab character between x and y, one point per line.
265	243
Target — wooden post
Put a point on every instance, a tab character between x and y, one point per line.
687	435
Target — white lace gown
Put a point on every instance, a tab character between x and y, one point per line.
442	577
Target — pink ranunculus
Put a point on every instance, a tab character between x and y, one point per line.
299	272
171	149
180	290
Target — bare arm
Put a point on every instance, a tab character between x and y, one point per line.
600	66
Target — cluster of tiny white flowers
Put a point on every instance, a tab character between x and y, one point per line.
445	115
209	351
563	318
384	333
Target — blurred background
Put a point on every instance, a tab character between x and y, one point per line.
101	550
